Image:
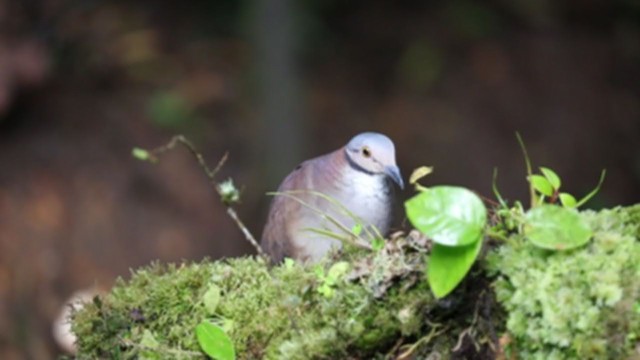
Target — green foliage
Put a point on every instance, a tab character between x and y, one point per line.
215	342
576	304
547	186
329	281
556	228
448	265
140	154
551	177
454	218
451	216
541	185
546	225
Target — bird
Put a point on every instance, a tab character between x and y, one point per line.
359	176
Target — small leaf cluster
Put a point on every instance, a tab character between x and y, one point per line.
454	218
546	186
328	280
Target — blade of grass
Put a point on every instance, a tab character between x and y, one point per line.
494	186
348	239
594	191
532	192
344	210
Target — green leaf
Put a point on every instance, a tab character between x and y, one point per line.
449	215
418	174
553	178
356	229
449	265
567	200
326	290
377	244
211	298
557	228
140	154
594	191
215	342
541	184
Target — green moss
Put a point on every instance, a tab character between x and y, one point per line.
576	304
268	312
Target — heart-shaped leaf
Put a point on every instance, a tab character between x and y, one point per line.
568	200
215	342
552	177
557	228
450	215
448	266
541	184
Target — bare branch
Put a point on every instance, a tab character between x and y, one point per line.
180	139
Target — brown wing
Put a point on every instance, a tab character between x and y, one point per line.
276	236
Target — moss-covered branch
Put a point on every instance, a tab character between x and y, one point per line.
581	303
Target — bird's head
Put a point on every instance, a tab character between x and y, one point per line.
374	153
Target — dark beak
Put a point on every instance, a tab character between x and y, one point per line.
394	173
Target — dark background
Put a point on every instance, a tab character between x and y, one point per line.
276	82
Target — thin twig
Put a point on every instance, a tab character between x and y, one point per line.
247	234
180	139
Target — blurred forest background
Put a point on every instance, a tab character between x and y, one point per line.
276	82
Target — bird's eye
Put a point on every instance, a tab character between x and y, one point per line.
366	152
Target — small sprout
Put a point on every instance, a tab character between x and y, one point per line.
553	178
377	244
418	174
568	200
143	155
228	192
140	154
329	281
337	271
541	185
356	229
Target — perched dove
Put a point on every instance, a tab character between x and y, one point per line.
358	176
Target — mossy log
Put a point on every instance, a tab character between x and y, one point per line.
581	303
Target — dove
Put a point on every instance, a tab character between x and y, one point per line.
359	176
